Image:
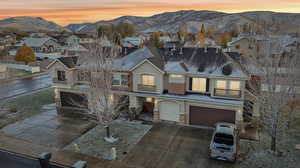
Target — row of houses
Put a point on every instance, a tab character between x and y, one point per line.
191	86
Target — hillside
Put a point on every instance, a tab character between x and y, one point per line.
28	24
192	20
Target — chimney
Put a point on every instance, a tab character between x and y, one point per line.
205	49
174	47
171	51
181	51
217	50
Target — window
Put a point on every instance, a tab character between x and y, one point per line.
198	84
61	75
175	78
228	88
221	84
148	80
120	79
149	99
84	76
234	85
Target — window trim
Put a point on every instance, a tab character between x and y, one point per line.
207	85
120	79
142	81
227	89
58	73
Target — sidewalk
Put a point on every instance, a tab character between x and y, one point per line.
62	157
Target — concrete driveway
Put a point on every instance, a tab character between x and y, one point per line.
48	129
174	146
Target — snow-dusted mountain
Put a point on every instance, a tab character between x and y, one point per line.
171	21
77	27
26	23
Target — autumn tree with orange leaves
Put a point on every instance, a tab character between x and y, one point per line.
25	54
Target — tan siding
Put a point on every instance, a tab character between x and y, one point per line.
147	68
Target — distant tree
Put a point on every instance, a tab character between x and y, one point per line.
210	32
154	40
201	38
202	30
182	33
224	39
115	32
25	54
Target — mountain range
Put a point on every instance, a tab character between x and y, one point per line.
191	20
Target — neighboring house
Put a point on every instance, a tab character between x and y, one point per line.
73	47
7	41
165	39
195	44
39	35
132	42
189	86
41	45
86	38
3	72
249	45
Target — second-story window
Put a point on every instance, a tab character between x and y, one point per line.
228	88
199	85
148	80
61	75
84	76
120	79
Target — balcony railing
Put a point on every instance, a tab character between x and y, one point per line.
146	88
228	93
55	80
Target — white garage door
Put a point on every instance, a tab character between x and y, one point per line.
169	111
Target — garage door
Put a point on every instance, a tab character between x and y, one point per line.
209	116
169	111
73	100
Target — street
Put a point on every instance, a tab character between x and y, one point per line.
21	86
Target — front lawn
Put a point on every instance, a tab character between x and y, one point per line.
288	157
25	106
92	143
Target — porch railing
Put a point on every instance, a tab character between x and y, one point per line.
146	88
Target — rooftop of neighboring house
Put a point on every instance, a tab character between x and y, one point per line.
201	61
34	42
132	41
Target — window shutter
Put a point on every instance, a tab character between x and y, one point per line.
191	84
207	85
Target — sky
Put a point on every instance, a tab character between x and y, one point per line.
65	12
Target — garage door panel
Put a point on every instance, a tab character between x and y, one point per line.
69	99
169	111
210	116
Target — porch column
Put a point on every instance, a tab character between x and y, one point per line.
239	118
156	110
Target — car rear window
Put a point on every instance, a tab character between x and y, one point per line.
223	139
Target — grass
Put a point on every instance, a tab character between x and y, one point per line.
26	106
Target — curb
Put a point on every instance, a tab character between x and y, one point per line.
24	77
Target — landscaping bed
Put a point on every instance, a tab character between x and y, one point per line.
25	106
92	143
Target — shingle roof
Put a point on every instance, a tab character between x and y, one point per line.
35	42
69	62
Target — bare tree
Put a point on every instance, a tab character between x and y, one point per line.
104	105
276	74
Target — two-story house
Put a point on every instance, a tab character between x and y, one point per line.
41	45
189	86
